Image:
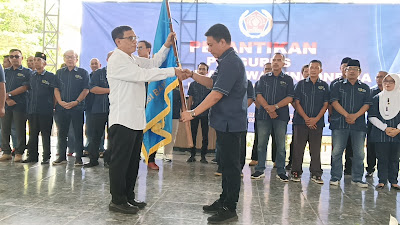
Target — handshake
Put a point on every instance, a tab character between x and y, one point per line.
183	74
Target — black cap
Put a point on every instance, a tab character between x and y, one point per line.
353	62
345	60
40	55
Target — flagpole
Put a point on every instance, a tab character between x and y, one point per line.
183	100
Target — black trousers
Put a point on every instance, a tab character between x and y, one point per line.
97	123
242	151
254	153
302	135
125	152
229	147
19	119
63	120
371	157
388	161
152	157
39	123
194	124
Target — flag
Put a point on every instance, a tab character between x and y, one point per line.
159	95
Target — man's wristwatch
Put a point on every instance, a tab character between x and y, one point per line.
9	94
276	106
192	113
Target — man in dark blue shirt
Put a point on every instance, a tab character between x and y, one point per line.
70	94
371	155
311	102
228	116
350	99
197	93
17	80
349	150
40	109
274	93
99	112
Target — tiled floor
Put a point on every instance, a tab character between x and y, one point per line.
36	194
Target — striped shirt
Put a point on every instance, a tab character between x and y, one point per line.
15	79
101	103
41	93
198	93
351	98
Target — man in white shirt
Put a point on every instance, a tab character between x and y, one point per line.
127	75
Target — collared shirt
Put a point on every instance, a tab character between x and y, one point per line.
41	93
374	91
274	89
312	98
176	104
198	93
90	96
250	91
71	84
15	79
2	76
351	98
100	102
378	135
126	76
229	114
334	81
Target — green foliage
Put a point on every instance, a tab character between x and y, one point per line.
21	25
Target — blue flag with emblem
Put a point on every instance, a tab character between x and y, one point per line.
159	95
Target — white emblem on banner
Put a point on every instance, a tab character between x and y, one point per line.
255	24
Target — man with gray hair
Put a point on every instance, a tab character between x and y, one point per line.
70	94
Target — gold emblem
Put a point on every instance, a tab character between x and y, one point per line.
362	90
77	76
45	82
20	75
321	88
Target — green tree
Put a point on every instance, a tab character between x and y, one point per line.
21	26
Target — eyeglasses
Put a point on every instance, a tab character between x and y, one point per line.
69	57
352	69
388	81
14	56
140	48
131	38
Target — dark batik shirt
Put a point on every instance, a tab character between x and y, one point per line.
198	93
351	98
274	89
71	84
100	102
377	135
312	98
229	79
41	93
15	79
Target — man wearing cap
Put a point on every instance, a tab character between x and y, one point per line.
17	80
99	112
70	93
350	99
349	150
40	109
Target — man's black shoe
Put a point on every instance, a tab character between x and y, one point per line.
45	161
138	204
224	215
30	160
191	159
215	207
91	164
123	208
204	160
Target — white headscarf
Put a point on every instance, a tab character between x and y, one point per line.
389	101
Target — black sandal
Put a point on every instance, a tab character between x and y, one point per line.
397	188
379	187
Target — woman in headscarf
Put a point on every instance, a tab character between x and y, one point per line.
385	117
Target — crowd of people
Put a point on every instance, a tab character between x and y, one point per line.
113	98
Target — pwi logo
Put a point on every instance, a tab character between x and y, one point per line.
256	24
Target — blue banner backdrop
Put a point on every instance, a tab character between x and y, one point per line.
328	32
